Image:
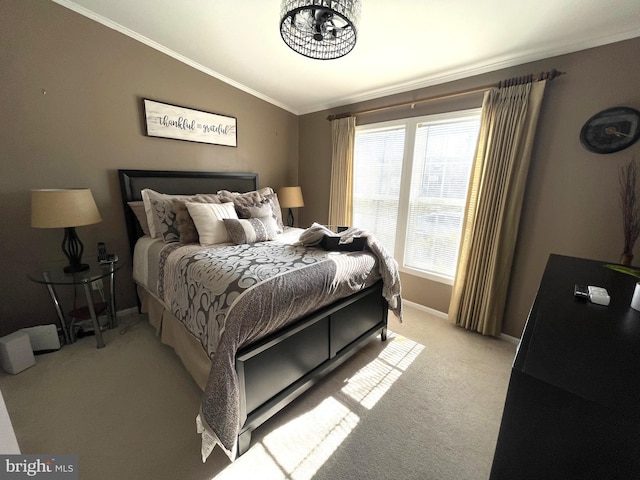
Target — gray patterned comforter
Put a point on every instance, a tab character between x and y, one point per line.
230	296
280	283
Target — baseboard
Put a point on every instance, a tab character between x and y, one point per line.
510	339
443	315
430	311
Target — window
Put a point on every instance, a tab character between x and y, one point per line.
410	187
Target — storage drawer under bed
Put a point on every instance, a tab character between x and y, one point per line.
273	369
274	364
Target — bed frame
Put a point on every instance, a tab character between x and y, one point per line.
277	369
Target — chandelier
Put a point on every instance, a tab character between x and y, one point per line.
320	29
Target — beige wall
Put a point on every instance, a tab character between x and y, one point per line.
89	124
571	202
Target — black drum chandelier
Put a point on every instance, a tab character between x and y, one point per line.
320	29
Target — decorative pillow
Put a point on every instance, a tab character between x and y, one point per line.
254	211
255	197
276	211
141	215
250	230
160	215
186	228
165	220
208	217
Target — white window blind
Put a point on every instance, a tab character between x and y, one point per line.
422	224
442	160
377	173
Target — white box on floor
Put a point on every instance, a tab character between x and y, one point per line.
44	338
16	353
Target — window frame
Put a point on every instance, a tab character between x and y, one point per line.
410	125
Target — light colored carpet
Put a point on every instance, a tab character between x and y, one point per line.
424	405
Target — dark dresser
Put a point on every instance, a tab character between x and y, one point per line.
573	404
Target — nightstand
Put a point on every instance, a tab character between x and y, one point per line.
53	276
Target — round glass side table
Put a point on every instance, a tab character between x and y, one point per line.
53	276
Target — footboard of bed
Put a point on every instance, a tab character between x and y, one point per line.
276	370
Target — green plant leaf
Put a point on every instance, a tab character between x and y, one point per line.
634	272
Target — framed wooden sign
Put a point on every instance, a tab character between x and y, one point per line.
180	123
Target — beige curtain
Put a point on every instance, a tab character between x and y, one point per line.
494	204
343	132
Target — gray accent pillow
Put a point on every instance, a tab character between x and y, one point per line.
250	230
253	211
246	203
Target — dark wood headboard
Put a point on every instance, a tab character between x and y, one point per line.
132	182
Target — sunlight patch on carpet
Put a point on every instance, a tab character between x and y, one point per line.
372	381
298	449
304	444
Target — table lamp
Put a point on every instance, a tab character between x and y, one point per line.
290	197
65	208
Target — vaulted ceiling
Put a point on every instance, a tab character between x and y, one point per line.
402	45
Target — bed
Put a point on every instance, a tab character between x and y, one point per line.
249	372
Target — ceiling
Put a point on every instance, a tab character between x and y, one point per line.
402	45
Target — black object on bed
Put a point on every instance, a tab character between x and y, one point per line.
275	370
332	242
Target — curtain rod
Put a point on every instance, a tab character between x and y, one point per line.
503	83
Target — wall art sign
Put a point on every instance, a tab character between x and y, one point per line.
180	123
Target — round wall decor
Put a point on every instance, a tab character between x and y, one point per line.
611	130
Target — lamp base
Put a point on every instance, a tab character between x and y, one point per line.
290	218
72	247
83	267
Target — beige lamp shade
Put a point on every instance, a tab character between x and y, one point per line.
53	208
290	197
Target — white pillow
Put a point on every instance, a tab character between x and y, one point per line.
207	218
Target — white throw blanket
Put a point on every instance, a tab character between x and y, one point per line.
388	267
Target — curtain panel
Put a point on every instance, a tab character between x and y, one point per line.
494	205
343	132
